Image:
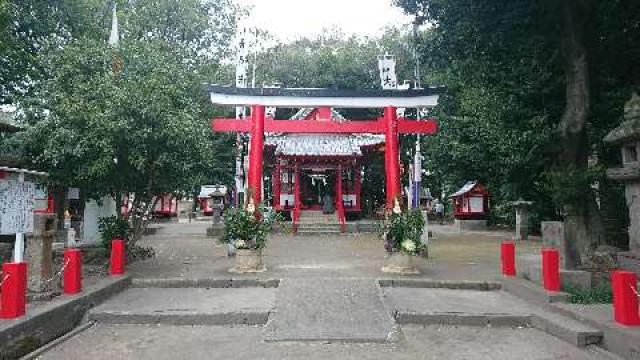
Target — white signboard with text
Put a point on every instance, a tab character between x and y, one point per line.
16	206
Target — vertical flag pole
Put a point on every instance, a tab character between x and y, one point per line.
241	82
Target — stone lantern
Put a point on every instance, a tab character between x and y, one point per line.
522	218
627	137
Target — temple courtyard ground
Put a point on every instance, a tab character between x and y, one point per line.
323	297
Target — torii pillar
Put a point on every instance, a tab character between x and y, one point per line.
391	155
255	153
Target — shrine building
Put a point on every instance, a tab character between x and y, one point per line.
306	166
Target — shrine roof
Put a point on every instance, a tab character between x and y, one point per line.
465	189
322	144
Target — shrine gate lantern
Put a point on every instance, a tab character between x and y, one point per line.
316	154
471	205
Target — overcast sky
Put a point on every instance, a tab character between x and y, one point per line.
290	19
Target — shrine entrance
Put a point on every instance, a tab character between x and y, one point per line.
317	154
316	190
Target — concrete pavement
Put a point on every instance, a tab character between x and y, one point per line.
329	286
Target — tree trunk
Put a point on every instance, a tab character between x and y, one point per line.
584	226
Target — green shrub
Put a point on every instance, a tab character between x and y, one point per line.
599	295
402	231
112	227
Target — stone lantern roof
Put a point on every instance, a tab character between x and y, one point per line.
629	130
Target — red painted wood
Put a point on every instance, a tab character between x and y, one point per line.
339	200
276	184
255	153
296	197
392	159
358	187
426	127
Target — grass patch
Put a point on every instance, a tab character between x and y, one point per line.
601	295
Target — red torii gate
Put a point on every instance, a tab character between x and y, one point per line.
389	125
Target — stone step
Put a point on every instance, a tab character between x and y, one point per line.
483	308
532	292
345	310
187	306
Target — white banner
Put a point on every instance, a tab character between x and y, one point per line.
387	67
16	206
242	67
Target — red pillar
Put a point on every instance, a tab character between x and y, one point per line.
276	184
339	202
296	200
551	269
14	290
391	155
508	256
72	277
358	186
625	298
255	152
117	257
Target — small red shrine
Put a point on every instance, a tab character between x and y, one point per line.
166	206
471	201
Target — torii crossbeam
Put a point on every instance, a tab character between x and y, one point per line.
389	125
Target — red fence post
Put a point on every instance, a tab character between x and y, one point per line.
117	257
508	256
625	299
72	278
551	269
14	290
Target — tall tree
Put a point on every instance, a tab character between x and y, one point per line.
528	67
141	130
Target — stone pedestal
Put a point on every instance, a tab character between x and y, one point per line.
39	254
553	236
632	194
399	263
248	261
470	225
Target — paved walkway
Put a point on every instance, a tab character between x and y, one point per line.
328	301
183	251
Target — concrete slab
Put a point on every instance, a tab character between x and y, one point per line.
446	301
48	320
481	308
107	342
187	306
619	339
348	310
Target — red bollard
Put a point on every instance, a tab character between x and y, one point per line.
508	256
625	299
117	257
14	290
73	271
551	269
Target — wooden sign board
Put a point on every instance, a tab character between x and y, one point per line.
16	206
